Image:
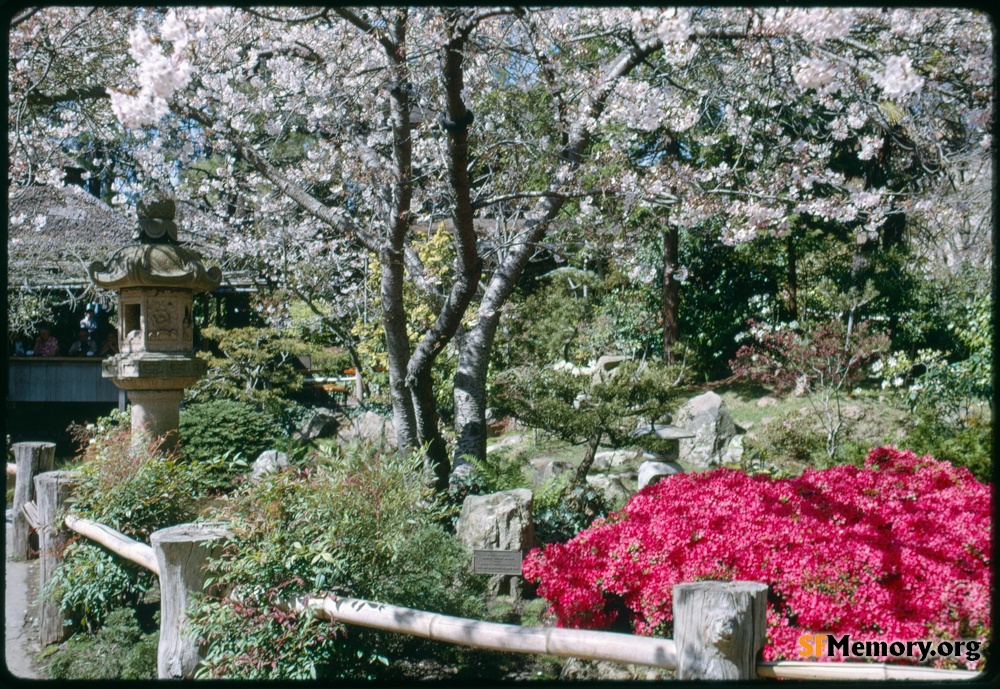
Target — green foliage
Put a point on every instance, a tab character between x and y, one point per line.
25	310
118	650
253	365
90	583
226	428
559	515
789	441
498	471
359	522
131	485
577	404
969	444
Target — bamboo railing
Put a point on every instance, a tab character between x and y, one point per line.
576	643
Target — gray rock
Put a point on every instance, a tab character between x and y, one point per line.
734	453
501	521
323	423
708	418
766	401
606	366
545	468
613	488
651	472
591	670
368	426
506	441
611	459
269	462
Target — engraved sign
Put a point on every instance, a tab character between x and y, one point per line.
496	562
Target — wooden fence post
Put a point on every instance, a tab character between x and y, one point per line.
181	552
32	459
719	628
51	492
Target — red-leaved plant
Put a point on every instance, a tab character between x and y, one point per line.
897	550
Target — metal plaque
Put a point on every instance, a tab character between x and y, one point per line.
496	562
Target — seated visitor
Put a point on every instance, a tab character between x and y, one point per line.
46	343
89	321
110	345
84	346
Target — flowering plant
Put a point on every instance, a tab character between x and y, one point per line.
899	549
823	362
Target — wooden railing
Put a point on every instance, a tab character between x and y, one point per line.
719	626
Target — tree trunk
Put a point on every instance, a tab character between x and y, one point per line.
671	293
428	429
580	478
470	379
470	395
398	348
793	280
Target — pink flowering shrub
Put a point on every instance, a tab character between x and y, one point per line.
898	550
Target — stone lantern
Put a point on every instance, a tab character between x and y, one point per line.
156	281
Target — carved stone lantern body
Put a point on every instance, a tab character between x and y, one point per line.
156	282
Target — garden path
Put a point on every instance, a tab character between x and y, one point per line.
21	633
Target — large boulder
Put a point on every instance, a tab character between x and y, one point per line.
500	521
613	488
614	459
269	462
545	468
368	426
652	471
322	423
708	418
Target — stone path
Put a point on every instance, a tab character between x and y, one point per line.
21	638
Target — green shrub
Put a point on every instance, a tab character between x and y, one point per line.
790	441
359	522
498	471
118	650
559	515
969	444
209	430
132	486
254	365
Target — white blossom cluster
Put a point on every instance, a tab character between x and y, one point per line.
160	75
574	369
818	24
899	80
870	145
816	73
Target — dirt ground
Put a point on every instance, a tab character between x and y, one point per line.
20	593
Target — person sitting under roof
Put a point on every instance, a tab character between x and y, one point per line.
84	346
46	344
110	345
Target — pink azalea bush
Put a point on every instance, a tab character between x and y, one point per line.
898	550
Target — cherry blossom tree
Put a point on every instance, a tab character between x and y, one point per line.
334	133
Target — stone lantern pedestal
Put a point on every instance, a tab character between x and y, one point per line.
156	282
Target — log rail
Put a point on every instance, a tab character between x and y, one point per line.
576	643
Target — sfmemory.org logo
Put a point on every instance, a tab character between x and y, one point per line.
818	645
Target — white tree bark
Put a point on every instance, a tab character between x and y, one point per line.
32	459
719	628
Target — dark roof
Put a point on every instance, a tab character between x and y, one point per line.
55	233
